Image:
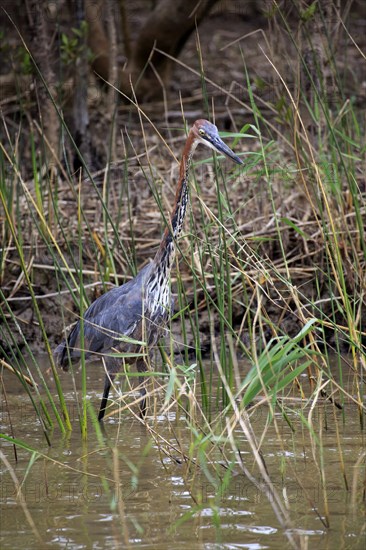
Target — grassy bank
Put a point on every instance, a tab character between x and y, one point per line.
270	268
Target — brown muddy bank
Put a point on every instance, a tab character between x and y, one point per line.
143	166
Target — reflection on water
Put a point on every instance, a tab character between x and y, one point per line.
132	489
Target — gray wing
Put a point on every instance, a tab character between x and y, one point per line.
114	314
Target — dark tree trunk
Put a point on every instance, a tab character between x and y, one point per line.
318	38
41	40
97	38
80	99
167	28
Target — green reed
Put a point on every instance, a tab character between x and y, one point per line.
245	279
228	271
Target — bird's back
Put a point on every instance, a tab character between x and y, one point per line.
120	312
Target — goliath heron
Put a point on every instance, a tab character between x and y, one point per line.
139	309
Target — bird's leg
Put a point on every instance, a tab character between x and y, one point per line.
107	386
143	403
142	367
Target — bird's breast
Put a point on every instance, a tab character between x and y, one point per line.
158	298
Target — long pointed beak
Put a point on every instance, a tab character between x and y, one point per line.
220	146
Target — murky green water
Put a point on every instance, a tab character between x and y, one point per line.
130	491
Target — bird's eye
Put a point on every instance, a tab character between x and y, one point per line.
201	132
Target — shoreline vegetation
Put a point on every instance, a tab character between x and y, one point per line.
271	265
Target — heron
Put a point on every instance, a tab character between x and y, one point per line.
127	319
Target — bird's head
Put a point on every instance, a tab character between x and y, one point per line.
205	132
